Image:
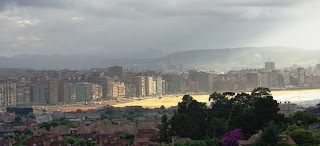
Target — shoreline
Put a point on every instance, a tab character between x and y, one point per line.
167	101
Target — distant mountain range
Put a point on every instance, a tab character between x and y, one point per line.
210	59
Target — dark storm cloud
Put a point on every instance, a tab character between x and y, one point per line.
35	3
261	3
123	27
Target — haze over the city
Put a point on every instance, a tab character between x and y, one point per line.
124	28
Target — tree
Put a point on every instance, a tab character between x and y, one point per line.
265	109
107	122
260	92
245	99
247	123
79	111
269	135
217	96
27	131
9	135
164	133
92	143
217	127
54	123
17	119
30	116
235	114
291	128
302	118
301	136
128	137
232	137
45	125
190	119
80	142
70	140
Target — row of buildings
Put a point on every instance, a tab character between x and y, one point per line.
32	87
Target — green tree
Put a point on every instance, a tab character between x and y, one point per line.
70	140
302	118
80	142
191	143
269	135
291	128
301	136
92	143
30	116
54	123
217	127
9	135
128	137
247	123
265	109
17	119
164	133
190	119
217	96
45	125
79	111
27	131
261	92
106	122
236	111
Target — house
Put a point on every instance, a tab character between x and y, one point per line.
38	132
141	141
84	130
6	142
314	111
7	117
110	139
37	141
73	130
283	138
43	118
31	124
61	131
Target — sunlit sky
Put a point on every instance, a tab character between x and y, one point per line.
125	26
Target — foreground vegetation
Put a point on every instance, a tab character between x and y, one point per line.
237	116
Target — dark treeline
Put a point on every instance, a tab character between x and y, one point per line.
248	113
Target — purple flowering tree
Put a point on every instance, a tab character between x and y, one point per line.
232	137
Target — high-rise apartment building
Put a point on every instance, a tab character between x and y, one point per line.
301	76
286	77
149	86
115	71
253	80
97	91
141	89
159	85
53	92
270	66
23	95
8	93
39	93
121	90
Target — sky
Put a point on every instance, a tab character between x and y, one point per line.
117	27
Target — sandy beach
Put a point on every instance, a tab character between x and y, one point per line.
283	95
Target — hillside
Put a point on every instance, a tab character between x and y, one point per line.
210	59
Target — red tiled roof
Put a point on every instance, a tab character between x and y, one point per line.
244	142
289	139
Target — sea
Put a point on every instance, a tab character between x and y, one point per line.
307	99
